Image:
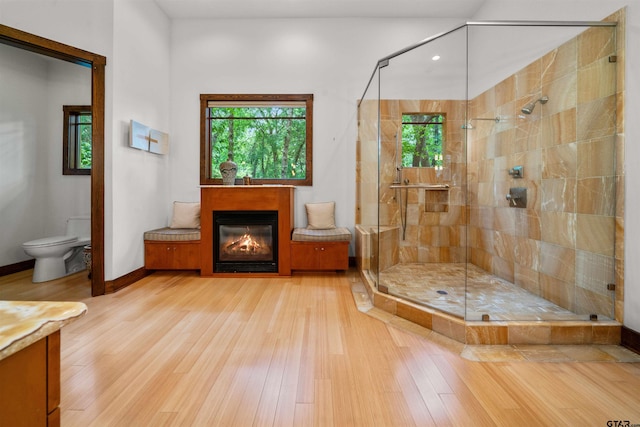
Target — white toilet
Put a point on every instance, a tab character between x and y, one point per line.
60	255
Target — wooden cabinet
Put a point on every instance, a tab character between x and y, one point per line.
30	384
319	255
167	255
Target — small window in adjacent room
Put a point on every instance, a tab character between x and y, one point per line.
267	136
76	157
422	139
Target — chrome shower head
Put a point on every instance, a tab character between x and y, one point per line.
528	109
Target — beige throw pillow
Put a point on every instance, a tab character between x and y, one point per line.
185	215
321	216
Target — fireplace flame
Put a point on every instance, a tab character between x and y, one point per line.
245	245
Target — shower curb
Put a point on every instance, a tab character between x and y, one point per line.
496	332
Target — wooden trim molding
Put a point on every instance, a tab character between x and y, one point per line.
122	282
206	176
17	267
71	162
630	339
31	42
97	179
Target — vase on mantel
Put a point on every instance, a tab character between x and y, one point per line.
228	170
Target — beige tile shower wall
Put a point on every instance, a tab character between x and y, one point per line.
367	164
562	245
428	236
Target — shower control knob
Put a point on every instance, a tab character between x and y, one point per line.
513	199
517	172
517	197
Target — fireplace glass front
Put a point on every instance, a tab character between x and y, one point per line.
246	241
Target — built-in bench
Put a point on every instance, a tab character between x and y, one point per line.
172	249
313	249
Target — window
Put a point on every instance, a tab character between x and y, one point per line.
76	158
422	139
269	137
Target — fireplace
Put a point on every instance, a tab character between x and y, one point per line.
245	241
223	199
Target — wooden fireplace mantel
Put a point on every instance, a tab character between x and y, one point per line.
246	198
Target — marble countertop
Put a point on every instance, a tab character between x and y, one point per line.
24	322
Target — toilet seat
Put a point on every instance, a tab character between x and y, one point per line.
50	241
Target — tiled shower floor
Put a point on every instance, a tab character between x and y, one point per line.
442	287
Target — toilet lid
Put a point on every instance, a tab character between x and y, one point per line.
50	241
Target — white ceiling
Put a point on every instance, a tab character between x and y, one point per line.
458	9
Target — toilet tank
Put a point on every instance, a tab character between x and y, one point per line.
79	226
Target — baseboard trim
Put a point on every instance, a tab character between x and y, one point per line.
630	339
17	267
122	282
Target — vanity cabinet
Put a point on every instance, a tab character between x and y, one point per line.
168	255
30	385
30	360
319	255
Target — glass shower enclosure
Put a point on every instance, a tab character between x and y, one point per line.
487	172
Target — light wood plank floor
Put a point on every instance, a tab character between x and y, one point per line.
175	349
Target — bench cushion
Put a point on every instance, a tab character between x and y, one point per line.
329	235
167	234
185	215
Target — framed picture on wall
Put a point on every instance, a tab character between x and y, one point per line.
144	138
158	142
139	136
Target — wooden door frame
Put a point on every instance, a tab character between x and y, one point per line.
97	63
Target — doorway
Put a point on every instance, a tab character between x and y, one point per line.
97	63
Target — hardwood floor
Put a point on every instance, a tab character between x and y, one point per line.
175	349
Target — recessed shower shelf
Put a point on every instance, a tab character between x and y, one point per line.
425	186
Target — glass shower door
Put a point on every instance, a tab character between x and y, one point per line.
422	173
543	201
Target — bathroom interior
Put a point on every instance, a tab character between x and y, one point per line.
45	212
508	228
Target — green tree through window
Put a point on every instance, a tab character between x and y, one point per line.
76	140
422	139
267	136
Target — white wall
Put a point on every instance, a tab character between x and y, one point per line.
22	80
83	24
86	25
35	198
331	58
140	181
65	195
134	37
